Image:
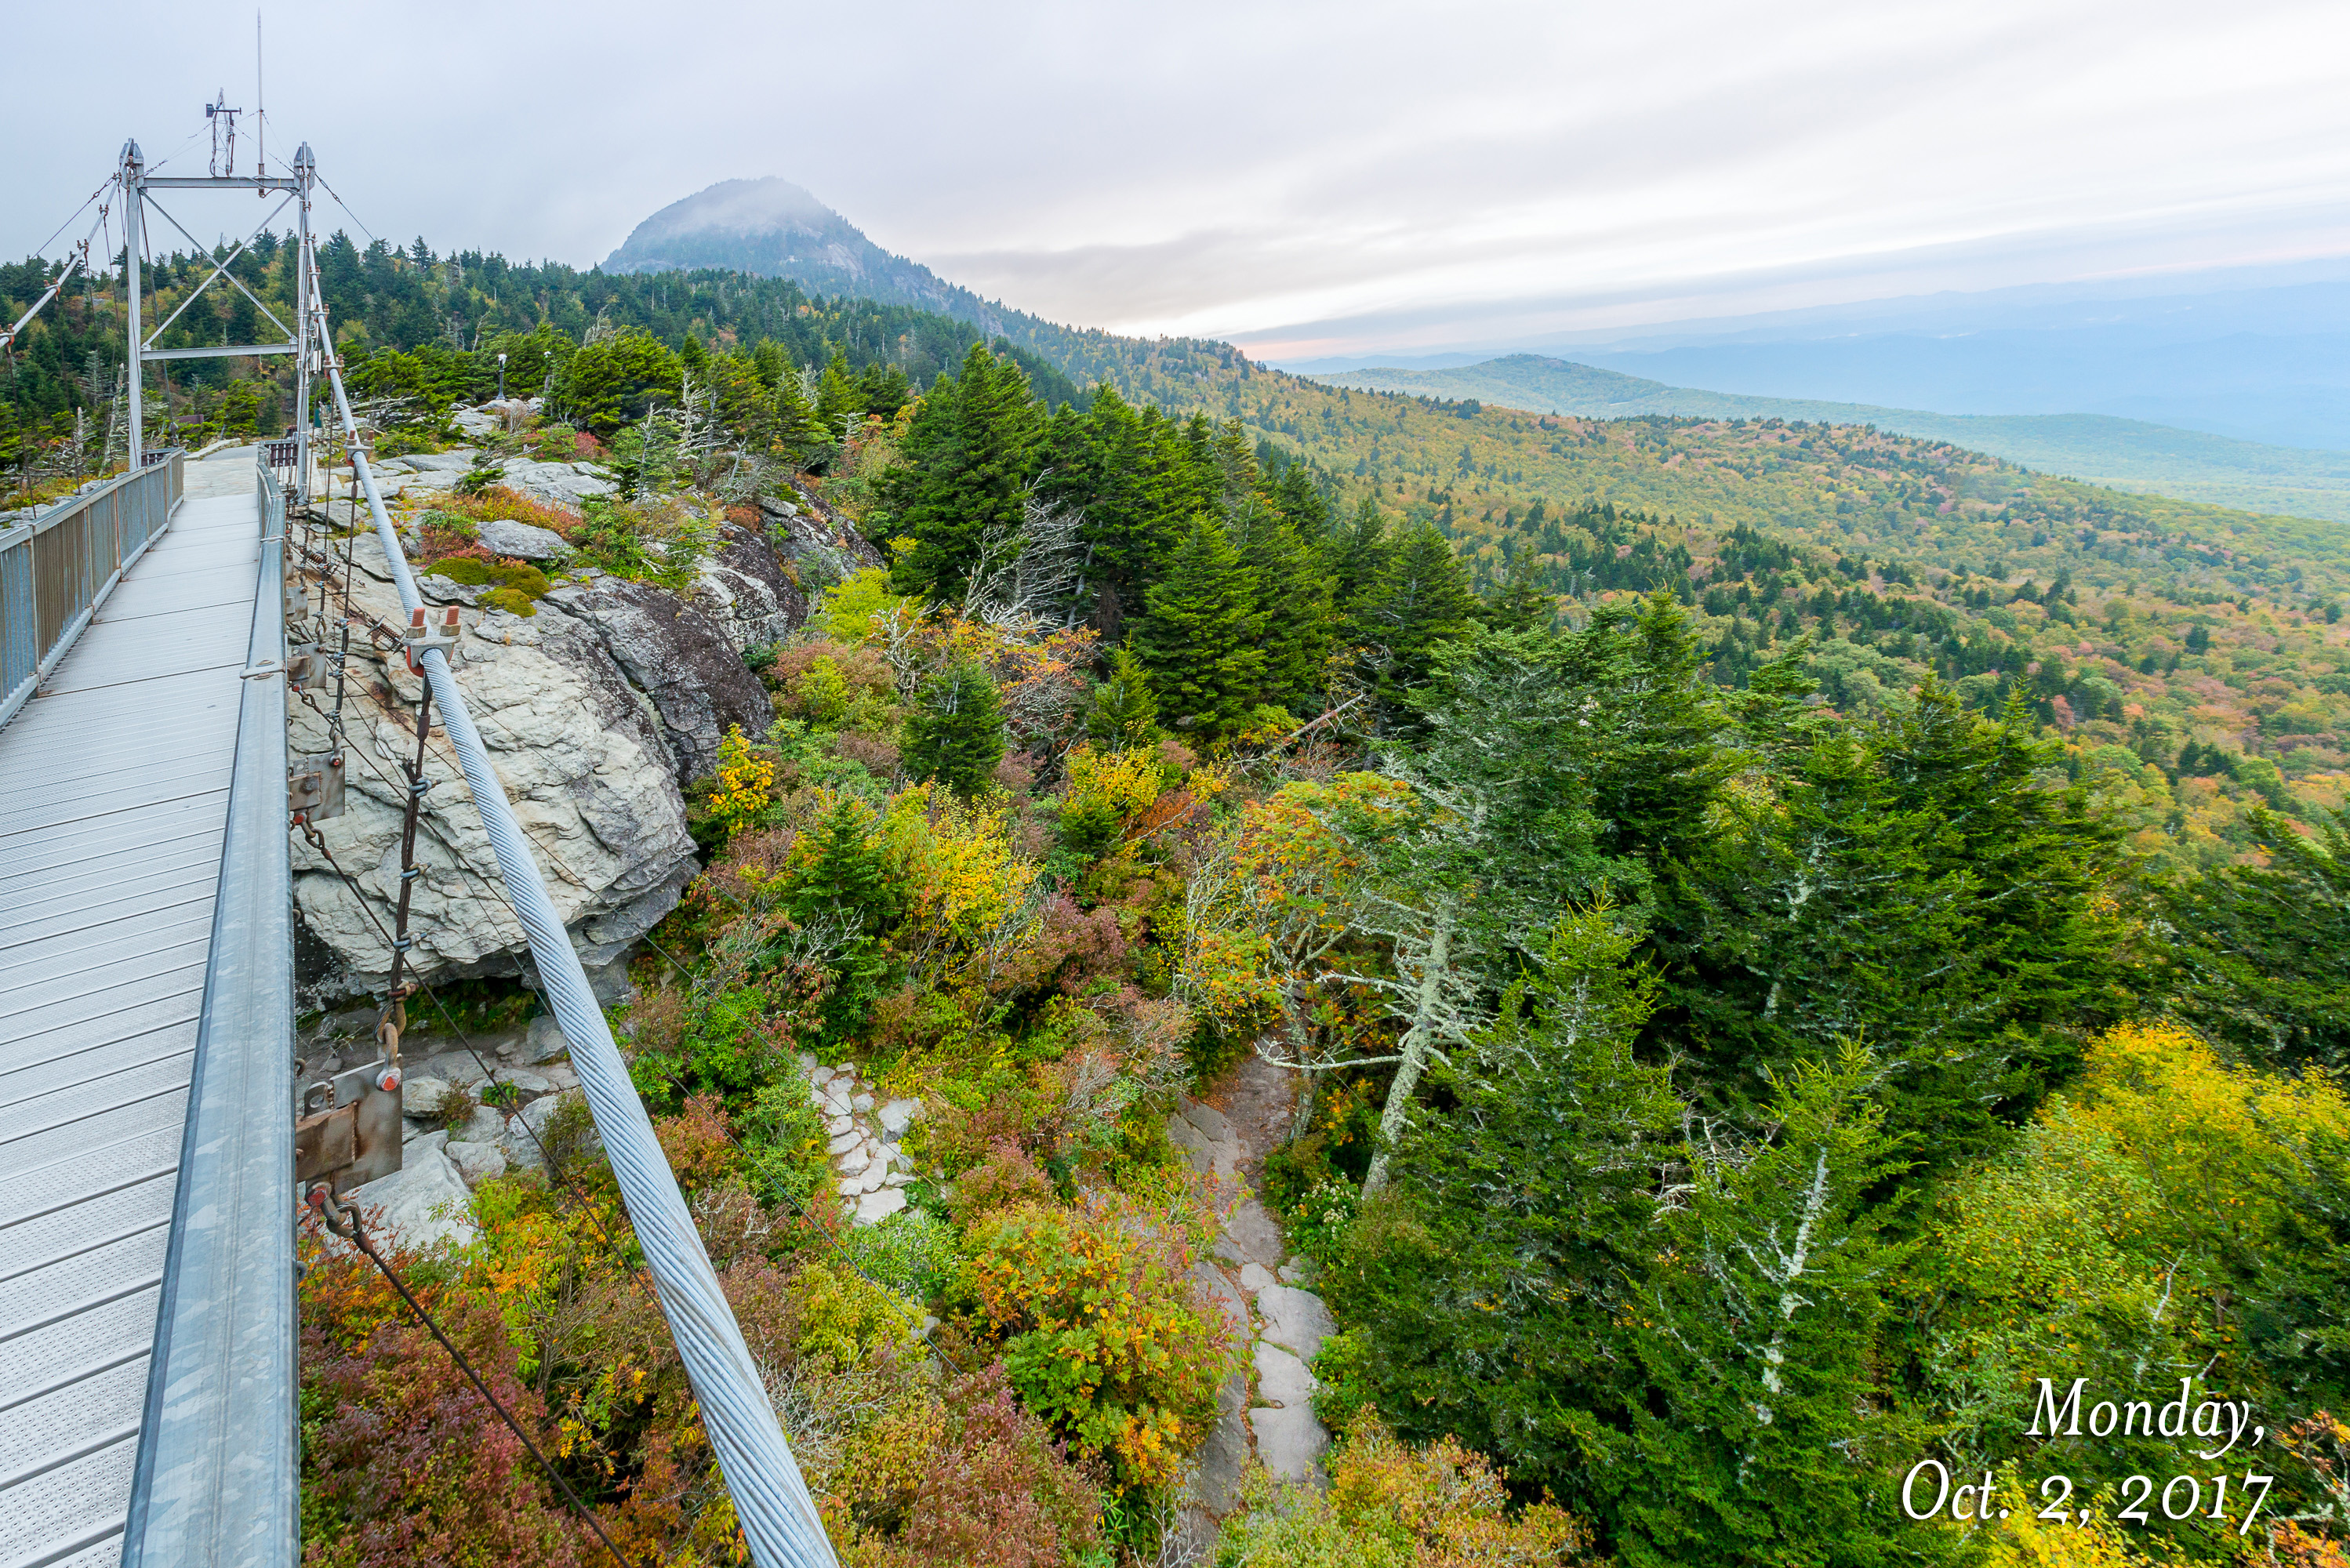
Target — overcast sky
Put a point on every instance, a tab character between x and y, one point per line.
1302	178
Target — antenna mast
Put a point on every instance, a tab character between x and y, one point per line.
260	115
224	120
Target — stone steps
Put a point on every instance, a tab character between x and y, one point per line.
1260	1288
872	1167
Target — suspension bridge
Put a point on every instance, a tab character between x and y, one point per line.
156	1146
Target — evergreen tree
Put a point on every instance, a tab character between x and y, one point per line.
1520	605
1137	482
1359	558
1123	715
1423	602
1911	883
1493	1286
798	432
2259	956
619	380
838	399
970	453
1301	505
1765	1427
1198	641
844	895
1294	615
1668	750
956	734
882	390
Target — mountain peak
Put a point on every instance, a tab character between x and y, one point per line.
775	229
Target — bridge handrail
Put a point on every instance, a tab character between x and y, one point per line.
58	568
217	1479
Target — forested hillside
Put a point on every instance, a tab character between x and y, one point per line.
2195	660
2131	454
1737	1026
1771	940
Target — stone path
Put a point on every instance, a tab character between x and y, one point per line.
871	1164
1260	1290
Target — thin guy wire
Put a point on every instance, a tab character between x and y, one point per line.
798	1210
359	1234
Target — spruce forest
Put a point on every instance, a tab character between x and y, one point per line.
1774	939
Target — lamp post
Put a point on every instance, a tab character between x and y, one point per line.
501	377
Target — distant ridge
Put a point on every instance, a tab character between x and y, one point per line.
773	228
2128	454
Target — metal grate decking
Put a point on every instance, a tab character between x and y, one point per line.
114	789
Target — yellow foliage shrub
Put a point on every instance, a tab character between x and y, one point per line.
746	783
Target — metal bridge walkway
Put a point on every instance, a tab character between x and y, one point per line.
114	791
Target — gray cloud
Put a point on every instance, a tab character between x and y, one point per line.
1317	178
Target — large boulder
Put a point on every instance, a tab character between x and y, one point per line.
558	483
421	1204
585	762
744	590
521	541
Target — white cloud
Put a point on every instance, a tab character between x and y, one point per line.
1330	175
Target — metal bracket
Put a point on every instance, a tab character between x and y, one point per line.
305	667
431	628
314	786
298	600
351	1133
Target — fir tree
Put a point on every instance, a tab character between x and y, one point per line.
798	434
956	734
2259	956
1520	605
1301	505
1519	1228
1123	715
1198	642
1294	615
1765	1421
969	454
1137	483
844	897
1423	602
1358	558
839	398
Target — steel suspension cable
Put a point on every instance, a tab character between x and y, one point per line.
779	1519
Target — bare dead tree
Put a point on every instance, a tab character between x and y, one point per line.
1028	574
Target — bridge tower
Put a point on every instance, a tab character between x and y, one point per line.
303	336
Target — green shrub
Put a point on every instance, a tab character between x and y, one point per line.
1393	1506
784	1142
1104	1337
512	588
456	1107
912	1253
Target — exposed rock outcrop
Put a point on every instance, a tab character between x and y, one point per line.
596	710
744	590
676	654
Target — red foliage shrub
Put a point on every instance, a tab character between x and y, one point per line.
403	1461
1005	1178
973	1482
439	542
497	501
1017	771
874	754
1072	946
697	1146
